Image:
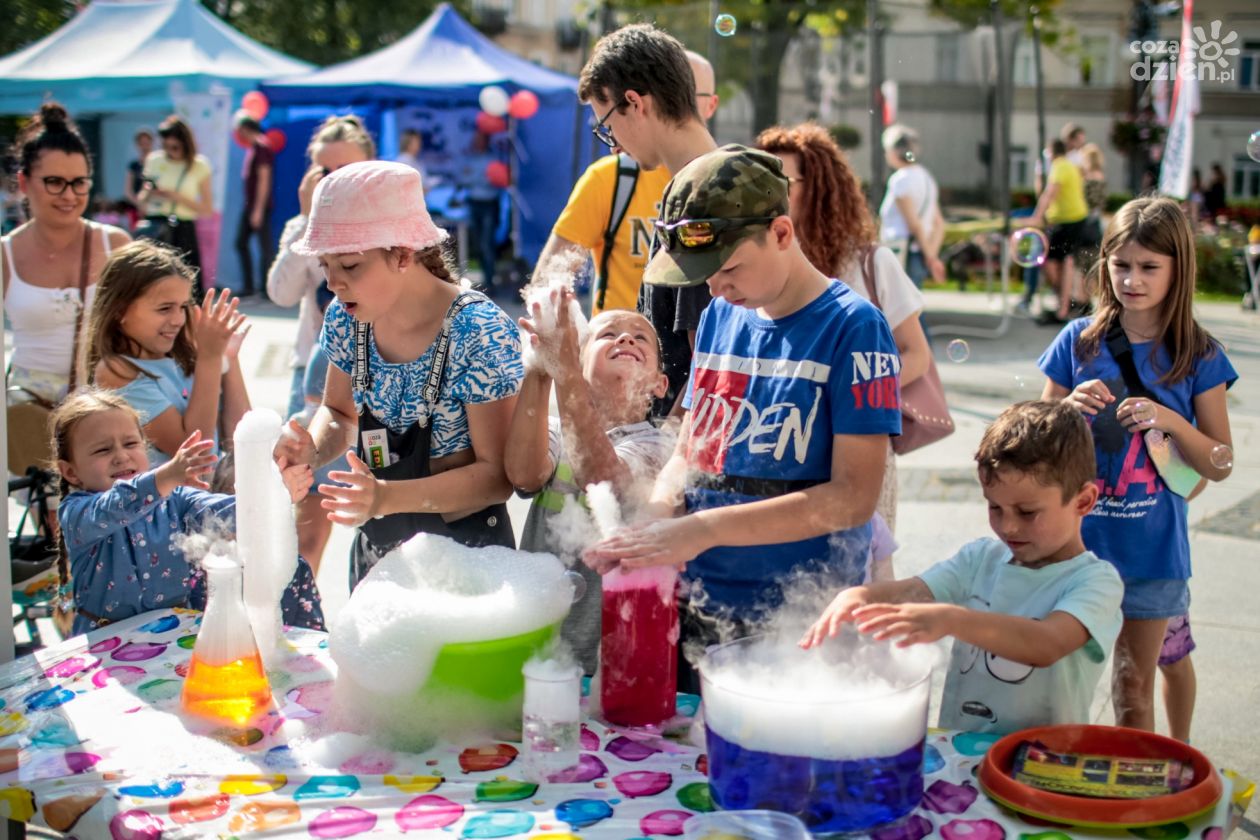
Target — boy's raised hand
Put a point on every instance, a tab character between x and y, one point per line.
552	334
190	466
839	611
298	479
909	624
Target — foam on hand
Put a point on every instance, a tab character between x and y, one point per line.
556	276
604	507
852	698
266	531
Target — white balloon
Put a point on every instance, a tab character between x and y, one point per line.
493	100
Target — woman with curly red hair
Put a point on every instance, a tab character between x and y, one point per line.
837	233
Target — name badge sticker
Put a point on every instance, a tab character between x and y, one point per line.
376	448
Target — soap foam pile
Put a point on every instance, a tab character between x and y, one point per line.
428	593
852	698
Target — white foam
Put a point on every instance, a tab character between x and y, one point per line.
555	276
850	698
604	507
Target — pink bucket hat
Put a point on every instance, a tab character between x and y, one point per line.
373	204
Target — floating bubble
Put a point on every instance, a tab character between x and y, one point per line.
1222	457
1253	146
1029	247
958	351
725	25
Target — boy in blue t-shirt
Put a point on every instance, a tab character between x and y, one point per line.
791	399
1033	613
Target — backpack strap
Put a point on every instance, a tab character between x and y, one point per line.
627	178
1122	351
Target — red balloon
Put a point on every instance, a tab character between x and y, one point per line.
255	104
523	104
490	124
240	139
497	173
276	140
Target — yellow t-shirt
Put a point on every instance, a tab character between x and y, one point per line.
1069	203
166	174
585	218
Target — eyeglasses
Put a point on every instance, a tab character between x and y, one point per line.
697	234
603	132
56	185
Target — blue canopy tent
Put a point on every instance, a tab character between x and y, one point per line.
437	71
121	64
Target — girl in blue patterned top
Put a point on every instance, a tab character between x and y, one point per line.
1142	370
423	375
120	519
174	362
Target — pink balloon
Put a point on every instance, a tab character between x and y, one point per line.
523	104
255	104
276	140
497	173
490	124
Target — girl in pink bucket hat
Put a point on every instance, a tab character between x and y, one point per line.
423	374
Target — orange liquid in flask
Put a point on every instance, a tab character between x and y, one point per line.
235	692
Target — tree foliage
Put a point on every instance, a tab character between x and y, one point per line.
31	20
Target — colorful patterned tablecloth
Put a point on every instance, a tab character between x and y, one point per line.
91	743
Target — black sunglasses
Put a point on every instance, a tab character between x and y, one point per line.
56	185
698	234
602	132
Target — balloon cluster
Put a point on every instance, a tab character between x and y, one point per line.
255	104
496	106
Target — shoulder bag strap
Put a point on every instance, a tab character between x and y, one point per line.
361	378
1122	351
868	275
441	351
78	318
623	191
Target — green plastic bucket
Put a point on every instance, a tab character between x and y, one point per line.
490	669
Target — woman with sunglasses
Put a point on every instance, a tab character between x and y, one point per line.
51	263
176	193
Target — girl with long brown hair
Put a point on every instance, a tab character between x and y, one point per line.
837	234
1143	365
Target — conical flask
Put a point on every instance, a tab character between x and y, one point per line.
226	682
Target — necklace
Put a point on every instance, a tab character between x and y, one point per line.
51	251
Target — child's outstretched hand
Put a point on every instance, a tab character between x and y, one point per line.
555	345
1090	397
295	446
909	624
214	323
298	479
356	498
657	542
839	611
1137	414
190	466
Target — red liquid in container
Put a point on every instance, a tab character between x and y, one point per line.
639	647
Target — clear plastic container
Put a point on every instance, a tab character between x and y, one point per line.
551	718
638	652
745	825
834	736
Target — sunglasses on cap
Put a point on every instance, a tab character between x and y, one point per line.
696	234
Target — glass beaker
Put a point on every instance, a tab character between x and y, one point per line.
226	682
552	718
638	649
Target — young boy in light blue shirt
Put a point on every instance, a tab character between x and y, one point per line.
1033	613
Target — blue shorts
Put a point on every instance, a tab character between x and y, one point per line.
1155	598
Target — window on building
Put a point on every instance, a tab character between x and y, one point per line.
1025	64
1021	172
1096	60
1249	66
948	54
1246	178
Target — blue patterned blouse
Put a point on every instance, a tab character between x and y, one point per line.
484	365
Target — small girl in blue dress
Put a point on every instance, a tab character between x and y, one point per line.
120	519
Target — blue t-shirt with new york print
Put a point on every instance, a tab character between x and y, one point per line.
766	398
1138	524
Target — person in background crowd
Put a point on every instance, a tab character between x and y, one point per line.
410	145
911	211
583	226
1214	198
177	188
135	170
1062	206
1073	137
258	176
485	206
1094	172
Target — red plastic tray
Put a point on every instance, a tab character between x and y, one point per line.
1089	812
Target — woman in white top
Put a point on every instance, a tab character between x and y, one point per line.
42	261
296	280
911	210
829	212
177	191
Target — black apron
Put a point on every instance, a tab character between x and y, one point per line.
410	460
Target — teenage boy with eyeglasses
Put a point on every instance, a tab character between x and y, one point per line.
793	394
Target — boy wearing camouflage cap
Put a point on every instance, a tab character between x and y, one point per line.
792	396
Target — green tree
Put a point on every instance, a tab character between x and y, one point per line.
31	20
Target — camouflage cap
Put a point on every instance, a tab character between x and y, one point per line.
733	182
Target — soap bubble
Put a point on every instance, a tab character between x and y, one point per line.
1253	146
958	351
1222	455
1029	247
725	25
